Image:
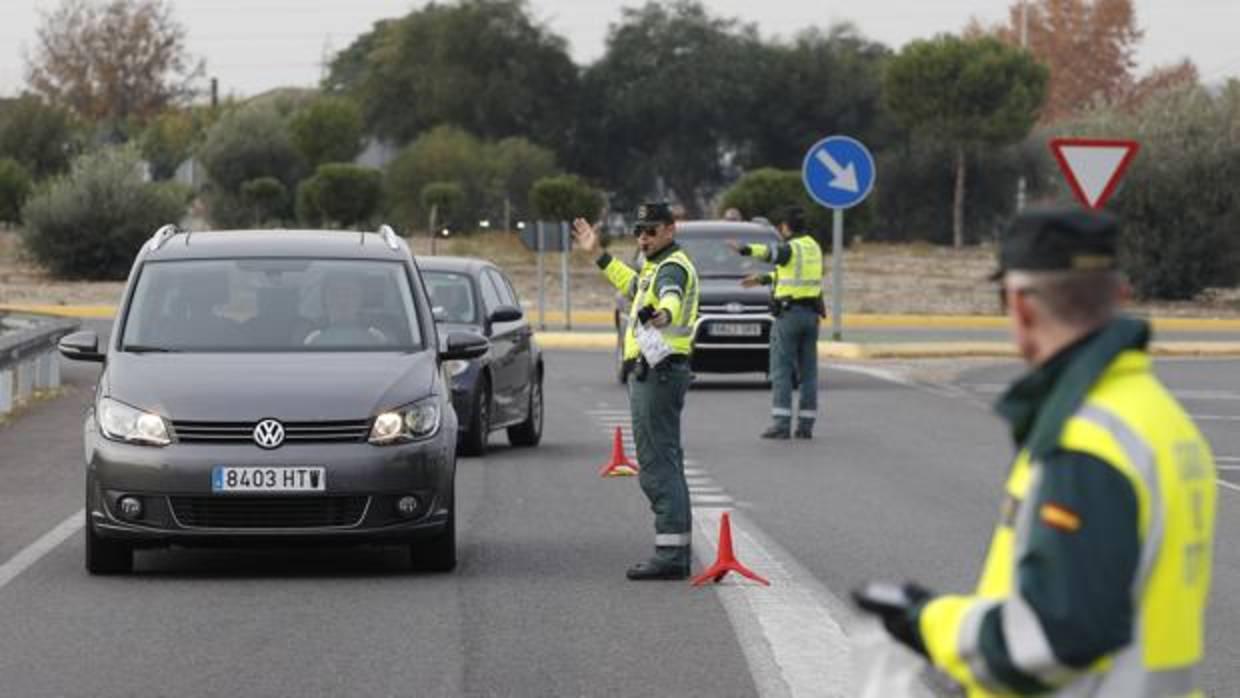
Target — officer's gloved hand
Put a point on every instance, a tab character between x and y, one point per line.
646	313
895	605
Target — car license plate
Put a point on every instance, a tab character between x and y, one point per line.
265	479
736	329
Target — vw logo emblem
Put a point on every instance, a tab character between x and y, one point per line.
269	433
734	308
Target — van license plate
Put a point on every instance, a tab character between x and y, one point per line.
736	329
226	479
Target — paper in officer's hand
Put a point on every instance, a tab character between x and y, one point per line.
652	345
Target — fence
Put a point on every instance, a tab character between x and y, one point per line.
28	357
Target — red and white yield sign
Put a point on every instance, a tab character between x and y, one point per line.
1093	167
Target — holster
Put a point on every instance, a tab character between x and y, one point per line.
641	370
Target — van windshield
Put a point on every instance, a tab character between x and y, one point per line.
272	305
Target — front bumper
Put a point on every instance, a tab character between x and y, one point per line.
363	483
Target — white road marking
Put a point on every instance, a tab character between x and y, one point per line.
1205	395
695	472
788	631
1227	459
1229	485
710	499
705	489
45	544
1216	417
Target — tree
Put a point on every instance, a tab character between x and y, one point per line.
1089	46
516	164
347	194
665	101
763	192
112	61
967	93
444	154
167	141
483	65
87	224
1177	204
247	143
443	202
564	198
821	83
40	136
14	188
329	129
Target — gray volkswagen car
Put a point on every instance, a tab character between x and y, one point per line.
271	387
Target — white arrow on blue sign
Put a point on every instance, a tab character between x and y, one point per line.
838	172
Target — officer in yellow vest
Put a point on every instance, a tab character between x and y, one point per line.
797	304
665	306
1099	569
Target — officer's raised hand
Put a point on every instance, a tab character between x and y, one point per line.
735	246
751	281
585	234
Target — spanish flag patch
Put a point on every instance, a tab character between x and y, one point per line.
1060	518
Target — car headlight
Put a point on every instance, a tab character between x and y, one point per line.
120	422
456	368
412	423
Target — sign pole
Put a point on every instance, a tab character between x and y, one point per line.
837	273
568	311
542	285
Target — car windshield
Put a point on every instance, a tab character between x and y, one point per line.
273	305
713	258
452	297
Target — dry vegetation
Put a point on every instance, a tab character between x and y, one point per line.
879	278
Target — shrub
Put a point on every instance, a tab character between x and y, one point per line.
247	144
307	204
89	223
40	136
763	192
329	129
564	198
14	189
266	197
447	199
347	194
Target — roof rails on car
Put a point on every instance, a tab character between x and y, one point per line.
389	236
161	236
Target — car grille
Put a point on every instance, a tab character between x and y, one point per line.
268	512
351	431
723	309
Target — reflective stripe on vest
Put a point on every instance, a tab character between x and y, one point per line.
679	334
801	275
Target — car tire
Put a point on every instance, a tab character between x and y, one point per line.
437	554
529	432
105	556
474	438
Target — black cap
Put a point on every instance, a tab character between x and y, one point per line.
652	214
1059	239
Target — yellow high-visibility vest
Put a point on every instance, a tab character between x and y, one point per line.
1129	421
639	286
801	275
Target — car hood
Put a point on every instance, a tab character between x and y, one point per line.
721	291
293	387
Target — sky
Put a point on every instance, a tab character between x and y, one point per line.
256	45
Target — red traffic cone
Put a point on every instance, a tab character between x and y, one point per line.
726	560
620	465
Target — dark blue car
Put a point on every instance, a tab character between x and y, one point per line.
502	389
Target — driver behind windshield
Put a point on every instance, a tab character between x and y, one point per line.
343	321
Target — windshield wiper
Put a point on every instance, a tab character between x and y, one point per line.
144	349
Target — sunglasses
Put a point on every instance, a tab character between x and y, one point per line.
1003	291
645	231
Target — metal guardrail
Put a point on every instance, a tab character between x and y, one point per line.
29	360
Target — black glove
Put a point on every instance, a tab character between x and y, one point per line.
646	313
896	605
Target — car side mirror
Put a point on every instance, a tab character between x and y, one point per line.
506	313
81	346
463	346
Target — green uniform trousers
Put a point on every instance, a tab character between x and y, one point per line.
656	404
794	366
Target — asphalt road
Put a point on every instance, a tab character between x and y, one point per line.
901	482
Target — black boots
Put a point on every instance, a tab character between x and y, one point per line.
667	564
776	431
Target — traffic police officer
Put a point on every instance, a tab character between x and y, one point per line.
1098	572
797	305
665	297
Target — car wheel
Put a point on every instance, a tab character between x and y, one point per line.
474	439
437	554
529	432
105	556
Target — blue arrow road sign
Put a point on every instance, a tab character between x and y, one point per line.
838	172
